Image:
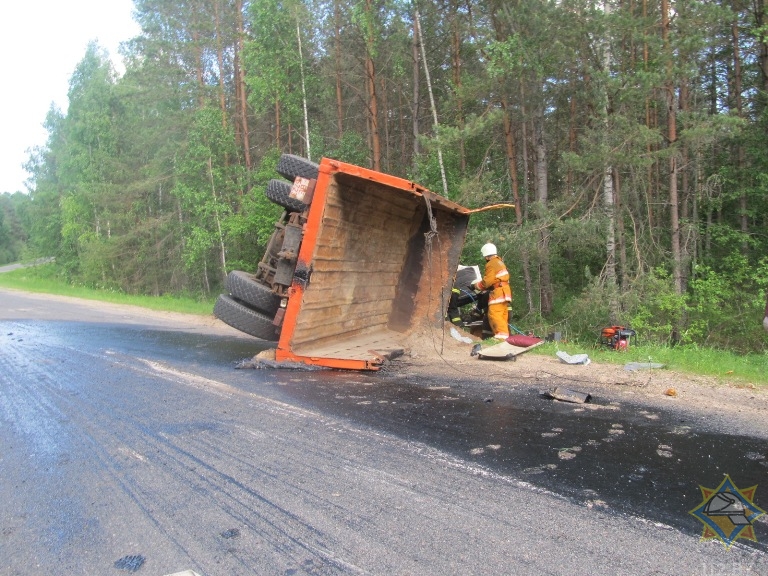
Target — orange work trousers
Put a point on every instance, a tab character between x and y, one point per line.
498	318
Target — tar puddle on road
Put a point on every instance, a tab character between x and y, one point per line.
610	457
157	343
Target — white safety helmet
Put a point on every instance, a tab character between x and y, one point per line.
488	250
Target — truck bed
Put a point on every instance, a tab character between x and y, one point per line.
372	266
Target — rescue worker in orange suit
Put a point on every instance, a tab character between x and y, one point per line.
496	280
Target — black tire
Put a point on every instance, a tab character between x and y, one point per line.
289	166
243	318
244	287
278	191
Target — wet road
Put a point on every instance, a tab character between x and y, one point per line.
139	442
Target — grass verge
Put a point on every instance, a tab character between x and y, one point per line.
45	279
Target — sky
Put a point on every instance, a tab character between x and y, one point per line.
42	42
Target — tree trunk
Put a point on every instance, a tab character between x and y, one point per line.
373	113
416	95
278	135
540	169
672	104
220	61
387	153
740	153
222	248
370	80
197	50
432	105
621	235
765	316
199	69
242	88
525	153
649	124
509	138
403	132
685	257
542	197
289	133
303	90
456	68
697	187
610	228
608	192
337	62
674	217
571	143
761	19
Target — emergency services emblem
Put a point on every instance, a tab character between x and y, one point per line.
727	512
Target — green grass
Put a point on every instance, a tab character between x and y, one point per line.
45	279
726	366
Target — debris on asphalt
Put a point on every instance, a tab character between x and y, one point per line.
632	366
130	563
567	395
455	334
265	364
573	359
567	453
670	392
231	533
265	360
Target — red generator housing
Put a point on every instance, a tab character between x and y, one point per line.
616	337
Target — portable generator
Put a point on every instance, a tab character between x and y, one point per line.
616	337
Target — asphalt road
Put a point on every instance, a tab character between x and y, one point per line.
136	446
17	265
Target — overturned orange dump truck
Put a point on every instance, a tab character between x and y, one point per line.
358	261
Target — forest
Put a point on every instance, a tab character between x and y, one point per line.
631	135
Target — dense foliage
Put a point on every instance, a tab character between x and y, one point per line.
630	134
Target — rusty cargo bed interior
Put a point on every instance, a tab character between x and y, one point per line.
372	267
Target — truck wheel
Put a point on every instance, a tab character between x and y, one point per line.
289	166
243	318
278	191
244	287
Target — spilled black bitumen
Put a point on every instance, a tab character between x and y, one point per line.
617	458
614	457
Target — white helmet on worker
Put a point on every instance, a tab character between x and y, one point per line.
488	250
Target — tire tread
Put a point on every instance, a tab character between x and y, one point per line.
278	191
290	166
245	319
244	287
